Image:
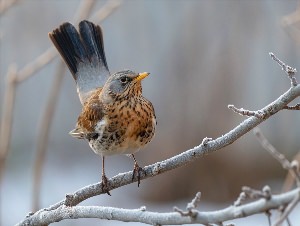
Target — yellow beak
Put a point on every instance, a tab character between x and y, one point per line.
142	76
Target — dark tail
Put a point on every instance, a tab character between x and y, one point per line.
85	46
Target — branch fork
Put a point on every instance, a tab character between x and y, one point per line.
190	208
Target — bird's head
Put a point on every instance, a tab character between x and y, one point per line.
124	84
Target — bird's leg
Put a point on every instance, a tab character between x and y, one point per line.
104	183
137	169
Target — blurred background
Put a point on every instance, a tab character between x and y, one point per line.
202	56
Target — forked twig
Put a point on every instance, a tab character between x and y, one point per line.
191	207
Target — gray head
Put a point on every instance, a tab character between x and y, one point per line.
124	84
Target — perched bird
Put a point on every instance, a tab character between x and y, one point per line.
115	118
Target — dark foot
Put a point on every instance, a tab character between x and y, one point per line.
137	170
104	184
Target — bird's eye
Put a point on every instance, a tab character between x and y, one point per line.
124	80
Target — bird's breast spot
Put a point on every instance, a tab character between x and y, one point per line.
100	126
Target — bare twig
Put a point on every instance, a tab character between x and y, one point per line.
293	168
7	116
256	194
106	10
6	5
43	134
250	193
290	24
155	218
244	112
33	67
288	209
191	207
268	213
295	107
241	199
290	180
286	68
84	9
277	155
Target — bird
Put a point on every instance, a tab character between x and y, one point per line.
115	118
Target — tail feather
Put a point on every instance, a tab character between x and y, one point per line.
93	40
84	54
67	41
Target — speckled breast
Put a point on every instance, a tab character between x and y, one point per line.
125	128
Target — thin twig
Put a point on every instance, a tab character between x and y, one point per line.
83	11
241	199
191	207
6	5
256	194
288	209
295	107
245	112
268	213
33	67
105	10
286	68
7	116
43	134
277	155
289	179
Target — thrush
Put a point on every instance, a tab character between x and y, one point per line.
115	117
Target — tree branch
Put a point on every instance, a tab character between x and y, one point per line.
45	217
187	156
207	146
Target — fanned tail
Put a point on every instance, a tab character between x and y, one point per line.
84	54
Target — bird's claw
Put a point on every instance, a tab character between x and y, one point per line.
104	185
137	170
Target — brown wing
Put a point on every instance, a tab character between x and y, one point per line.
91	114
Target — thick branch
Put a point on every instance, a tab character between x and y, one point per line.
45	217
